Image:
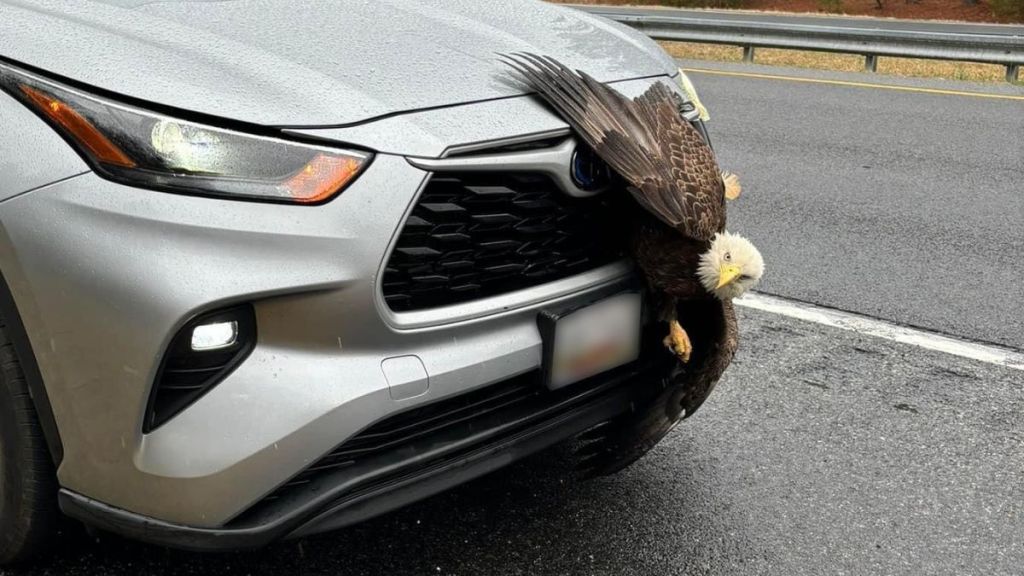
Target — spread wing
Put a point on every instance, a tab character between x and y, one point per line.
670	168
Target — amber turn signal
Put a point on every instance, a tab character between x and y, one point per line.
321	177
76	126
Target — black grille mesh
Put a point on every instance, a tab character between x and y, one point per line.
472	236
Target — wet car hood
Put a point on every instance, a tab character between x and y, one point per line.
284	63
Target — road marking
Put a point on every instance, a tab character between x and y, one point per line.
882	329
855	84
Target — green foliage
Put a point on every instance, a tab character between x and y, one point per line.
1009	9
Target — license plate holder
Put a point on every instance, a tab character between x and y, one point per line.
591	339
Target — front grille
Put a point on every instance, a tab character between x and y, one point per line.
474	235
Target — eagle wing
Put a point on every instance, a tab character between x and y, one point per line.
671	170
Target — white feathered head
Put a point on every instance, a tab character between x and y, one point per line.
731	266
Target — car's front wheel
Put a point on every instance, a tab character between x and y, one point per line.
28	491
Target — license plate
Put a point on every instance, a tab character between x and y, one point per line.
591	340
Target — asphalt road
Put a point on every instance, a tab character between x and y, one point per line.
900	205
822	451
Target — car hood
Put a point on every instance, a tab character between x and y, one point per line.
284	63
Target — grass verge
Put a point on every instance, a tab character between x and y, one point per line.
842	62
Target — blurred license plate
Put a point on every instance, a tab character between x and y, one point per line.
591	340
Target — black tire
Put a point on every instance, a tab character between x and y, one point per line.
29	515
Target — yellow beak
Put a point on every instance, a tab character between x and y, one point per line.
727	274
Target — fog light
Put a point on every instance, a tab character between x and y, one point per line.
200	355
214	336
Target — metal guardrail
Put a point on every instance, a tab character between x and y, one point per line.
752	31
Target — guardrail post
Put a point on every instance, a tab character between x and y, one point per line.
748	53
871	62
1012	72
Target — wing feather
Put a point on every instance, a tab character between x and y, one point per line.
671	170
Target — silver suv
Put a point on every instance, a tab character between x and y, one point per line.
269	272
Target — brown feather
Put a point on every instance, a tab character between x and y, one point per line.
621	441
671	169
667	259
673	176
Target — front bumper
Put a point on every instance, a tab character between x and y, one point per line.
104	275
397	477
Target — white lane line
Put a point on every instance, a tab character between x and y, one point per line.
881	329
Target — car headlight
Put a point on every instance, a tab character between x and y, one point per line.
141	148
691	93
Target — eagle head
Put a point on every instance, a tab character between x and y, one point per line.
731	266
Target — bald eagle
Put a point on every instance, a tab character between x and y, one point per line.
681	244
678	240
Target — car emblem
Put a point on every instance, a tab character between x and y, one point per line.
589	172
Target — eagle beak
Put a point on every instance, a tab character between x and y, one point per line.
727	274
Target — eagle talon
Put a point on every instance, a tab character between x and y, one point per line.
678	341
733	189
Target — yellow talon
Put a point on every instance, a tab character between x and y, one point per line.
678	342
733	189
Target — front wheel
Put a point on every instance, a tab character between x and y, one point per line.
28	489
